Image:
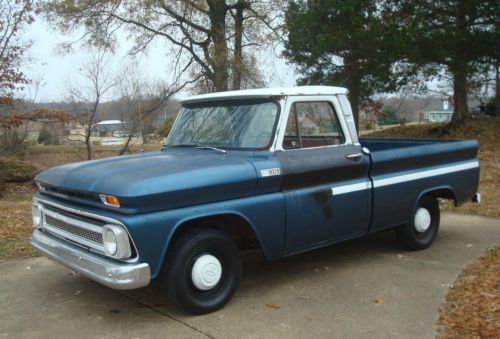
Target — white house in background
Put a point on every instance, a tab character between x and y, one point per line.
438	116
106	132
110	128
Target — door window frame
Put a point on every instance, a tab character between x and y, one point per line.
316	98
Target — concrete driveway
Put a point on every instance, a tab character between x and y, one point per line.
363	288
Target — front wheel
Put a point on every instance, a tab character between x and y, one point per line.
203	270
423	227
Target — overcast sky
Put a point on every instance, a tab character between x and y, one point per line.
55	71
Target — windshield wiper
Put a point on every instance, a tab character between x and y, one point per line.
198	146
223	151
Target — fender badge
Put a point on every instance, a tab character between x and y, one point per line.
269	172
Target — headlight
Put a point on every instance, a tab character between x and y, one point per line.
115	241
109	241
37	215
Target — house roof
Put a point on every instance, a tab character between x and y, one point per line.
266	93
110	122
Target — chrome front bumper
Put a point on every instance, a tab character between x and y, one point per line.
120	276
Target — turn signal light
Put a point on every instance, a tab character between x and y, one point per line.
109	200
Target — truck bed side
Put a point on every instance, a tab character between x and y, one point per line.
405	169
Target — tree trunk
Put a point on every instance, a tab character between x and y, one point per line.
497	86
126	145
354	93
90	122
238	48
88	146
459	70
217	13
460	106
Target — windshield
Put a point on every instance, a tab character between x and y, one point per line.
229	124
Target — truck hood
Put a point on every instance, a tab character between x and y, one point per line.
165	179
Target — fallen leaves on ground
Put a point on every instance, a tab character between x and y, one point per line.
472	306
273	306
19	189
15	228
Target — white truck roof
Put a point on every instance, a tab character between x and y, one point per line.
266	93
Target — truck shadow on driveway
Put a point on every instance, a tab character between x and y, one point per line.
325	293
322	293
261	277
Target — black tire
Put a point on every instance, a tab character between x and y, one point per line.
186	249
410	237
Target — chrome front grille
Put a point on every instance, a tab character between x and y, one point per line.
72	229
83	231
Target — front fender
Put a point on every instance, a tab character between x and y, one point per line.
153	232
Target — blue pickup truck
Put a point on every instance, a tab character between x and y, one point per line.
282	170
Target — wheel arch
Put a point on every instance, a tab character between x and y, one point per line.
234	224
443	192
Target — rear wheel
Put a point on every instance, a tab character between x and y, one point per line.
423	227
203	270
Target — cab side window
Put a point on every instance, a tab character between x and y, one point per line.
312	124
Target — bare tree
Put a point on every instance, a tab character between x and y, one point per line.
144	99
201	32
18	115
15	16
20	119
88	95
255	24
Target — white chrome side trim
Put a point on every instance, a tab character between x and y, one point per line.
351	188
425	174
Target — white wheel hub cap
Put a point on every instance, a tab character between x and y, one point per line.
422	220
206	272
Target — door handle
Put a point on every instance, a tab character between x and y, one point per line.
354	156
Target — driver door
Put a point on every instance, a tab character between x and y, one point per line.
325	177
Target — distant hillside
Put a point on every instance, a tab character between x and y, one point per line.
110	110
